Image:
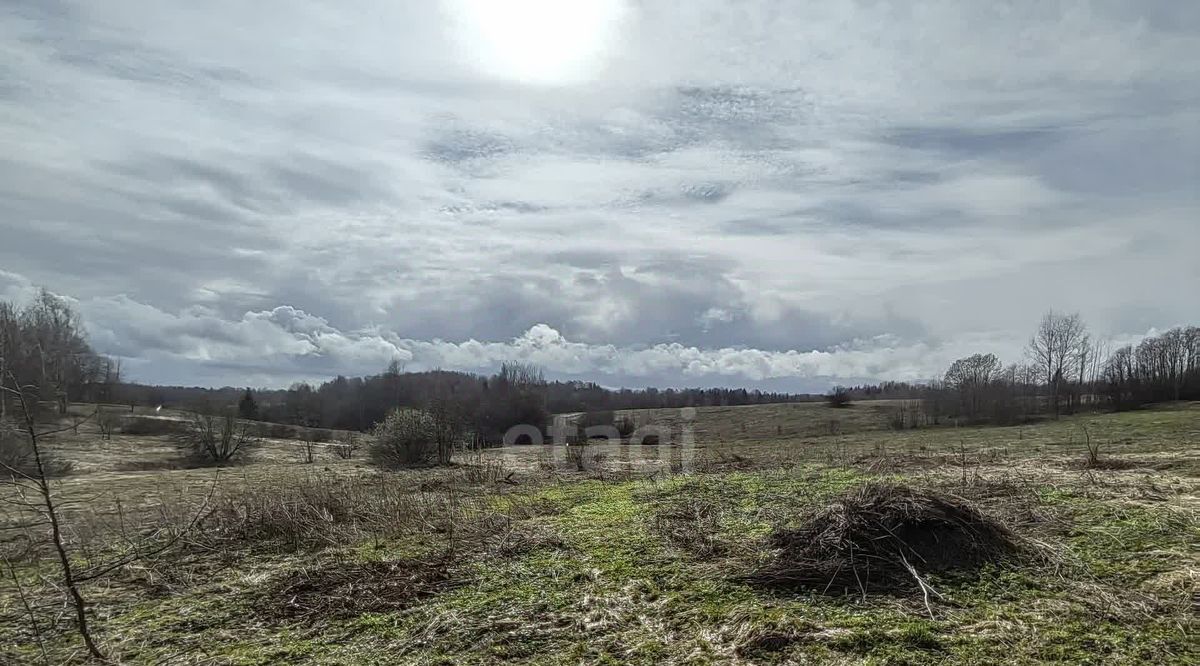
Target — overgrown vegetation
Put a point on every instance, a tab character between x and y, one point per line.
506	556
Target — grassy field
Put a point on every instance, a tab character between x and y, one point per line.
650	555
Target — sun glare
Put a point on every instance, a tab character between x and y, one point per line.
537	41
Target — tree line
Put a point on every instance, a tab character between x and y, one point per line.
43	349
517	391
1064	370
44	352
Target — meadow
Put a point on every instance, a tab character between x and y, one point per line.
633	554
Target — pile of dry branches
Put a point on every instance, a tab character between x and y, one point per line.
881	538
347	588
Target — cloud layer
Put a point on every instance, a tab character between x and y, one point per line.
788	193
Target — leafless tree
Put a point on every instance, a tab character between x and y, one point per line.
217	440
1055	349
975	379
309	449
449	426
106	421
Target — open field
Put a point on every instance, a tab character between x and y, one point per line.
650	555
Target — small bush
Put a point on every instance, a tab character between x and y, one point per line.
216	440
346	447
625	427
578	455
839	397
316	510
405	438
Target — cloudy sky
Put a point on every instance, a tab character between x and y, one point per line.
762	193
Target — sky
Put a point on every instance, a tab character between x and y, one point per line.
779	194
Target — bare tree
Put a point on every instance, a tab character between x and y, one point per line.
448	428
1055	349
974	378
106	421
217	440
309	450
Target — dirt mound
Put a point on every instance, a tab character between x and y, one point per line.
881	538
348	589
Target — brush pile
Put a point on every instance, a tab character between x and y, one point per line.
349	588
881	538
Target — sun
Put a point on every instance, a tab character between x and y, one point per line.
537	41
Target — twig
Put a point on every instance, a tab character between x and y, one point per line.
925	587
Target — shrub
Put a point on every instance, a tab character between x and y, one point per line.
346	447
405	438
839	397
625	426
577	455
217	440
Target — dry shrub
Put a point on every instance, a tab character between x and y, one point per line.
150	465
313	510
485	472
344	589
578	455
625	426
1105	464
523	538
875	538
346	447
215	440
405	438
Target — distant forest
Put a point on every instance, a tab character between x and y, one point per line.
44	352
356	403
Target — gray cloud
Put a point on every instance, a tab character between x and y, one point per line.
754	177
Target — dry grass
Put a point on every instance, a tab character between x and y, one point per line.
513	555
